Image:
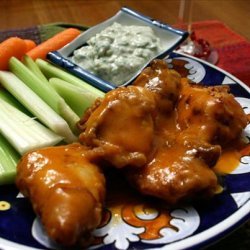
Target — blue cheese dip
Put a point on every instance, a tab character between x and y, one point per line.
118	52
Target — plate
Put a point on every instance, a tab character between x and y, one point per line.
170	38
131	222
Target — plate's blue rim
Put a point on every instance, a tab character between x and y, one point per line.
57	58
226	73
213	240
209	241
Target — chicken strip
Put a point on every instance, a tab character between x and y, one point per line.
66	191
121	126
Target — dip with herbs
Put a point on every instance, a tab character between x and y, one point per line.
117	52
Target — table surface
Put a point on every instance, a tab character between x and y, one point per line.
24	13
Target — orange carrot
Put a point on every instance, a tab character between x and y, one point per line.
13	46
30	44
54	43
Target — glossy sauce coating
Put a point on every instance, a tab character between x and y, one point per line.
66	191
123	133
166	132
190	134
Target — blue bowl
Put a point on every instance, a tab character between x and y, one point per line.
170	39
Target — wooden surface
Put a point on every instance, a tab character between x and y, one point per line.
25	13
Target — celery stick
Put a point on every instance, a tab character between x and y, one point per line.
36	105
8	161
28	61
23	132
45	91
52	71
77	98
6	96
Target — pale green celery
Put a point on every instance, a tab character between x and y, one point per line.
44	90
23	132
6	96
30	63
36	105
77	98
8	161
52	71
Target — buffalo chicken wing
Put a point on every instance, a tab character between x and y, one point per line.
210	113
121	126
66	190
167	132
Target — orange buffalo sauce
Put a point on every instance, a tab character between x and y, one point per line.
149	217
128	206
230	158
228	161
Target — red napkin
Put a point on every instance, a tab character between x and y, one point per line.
233	49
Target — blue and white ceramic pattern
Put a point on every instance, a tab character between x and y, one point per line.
170	38
139	223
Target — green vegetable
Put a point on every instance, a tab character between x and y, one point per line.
6	96
36	105
23	132
28	61
45	91
51	71
8	161
77	98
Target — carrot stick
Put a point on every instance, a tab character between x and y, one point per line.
54	43
13	46
30	44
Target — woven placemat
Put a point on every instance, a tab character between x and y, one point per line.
38	33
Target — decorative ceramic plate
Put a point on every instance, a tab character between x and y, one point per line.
132	222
